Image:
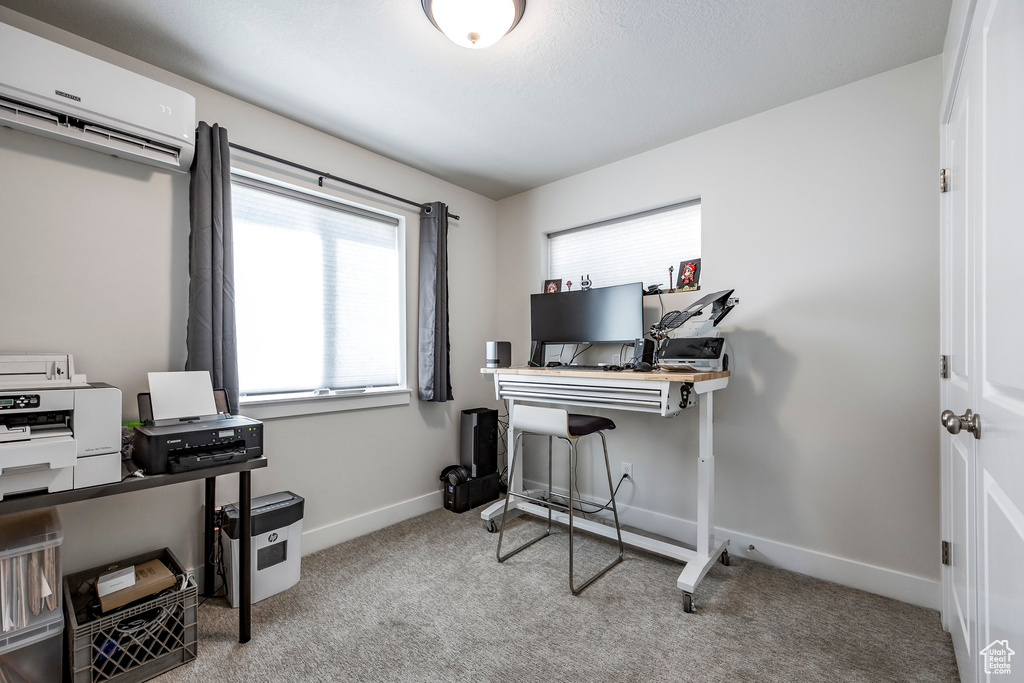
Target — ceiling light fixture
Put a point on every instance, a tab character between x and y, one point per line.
474	23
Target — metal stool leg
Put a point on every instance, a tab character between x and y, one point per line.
611	493
551	441
508	496
572	510
615	513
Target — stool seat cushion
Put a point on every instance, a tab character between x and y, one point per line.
581	425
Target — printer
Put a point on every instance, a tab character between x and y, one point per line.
695	354
57	431
698	345
176	442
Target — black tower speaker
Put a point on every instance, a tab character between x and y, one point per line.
479	447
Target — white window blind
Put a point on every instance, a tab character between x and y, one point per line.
638	248
317	299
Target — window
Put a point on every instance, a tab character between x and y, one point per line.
637	248
319	294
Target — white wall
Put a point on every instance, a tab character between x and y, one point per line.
822	215
93	251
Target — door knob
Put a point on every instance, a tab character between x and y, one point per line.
954	423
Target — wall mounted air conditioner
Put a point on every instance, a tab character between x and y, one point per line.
56	92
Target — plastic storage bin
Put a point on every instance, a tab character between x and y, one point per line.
30	570
137	642
33	655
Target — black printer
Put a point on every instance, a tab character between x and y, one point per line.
195	443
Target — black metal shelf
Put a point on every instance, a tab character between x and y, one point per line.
34	501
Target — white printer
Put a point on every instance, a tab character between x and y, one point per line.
57	431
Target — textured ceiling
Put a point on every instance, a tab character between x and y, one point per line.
579	83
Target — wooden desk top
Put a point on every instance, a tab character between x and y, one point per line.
568	371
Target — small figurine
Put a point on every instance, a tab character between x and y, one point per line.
585	282
568	285
671	281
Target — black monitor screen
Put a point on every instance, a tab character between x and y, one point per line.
606	314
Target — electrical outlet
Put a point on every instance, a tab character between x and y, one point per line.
627	470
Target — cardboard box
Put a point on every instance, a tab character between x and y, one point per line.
150	578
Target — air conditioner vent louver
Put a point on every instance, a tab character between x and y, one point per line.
143	144
113	140
22	109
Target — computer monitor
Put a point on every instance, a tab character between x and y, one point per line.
604	314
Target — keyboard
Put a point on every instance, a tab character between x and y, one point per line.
589	367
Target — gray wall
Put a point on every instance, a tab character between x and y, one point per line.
94	251
822	215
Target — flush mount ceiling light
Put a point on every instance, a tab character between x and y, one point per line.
474	23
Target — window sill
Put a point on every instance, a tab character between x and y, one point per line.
271	408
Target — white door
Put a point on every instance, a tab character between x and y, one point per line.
984	503
999	294
959	451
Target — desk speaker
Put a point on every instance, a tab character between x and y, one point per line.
499	354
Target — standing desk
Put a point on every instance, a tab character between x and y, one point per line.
657	393
34	501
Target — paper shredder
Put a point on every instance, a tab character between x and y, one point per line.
276	544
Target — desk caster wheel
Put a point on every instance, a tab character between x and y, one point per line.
491	527
724	557
688	602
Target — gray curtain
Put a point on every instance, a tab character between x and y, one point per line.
434	348
211	265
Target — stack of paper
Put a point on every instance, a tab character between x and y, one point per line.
181	395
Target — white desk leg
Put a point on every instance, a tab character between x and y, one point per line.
517	483
493	511
706	477
707	550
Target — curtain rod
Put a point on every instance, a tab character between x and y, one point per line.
321	175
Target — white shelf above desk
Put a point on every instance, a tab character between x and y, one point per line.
641	392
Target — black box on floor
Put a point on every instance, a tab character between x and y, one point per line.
472	493
478	451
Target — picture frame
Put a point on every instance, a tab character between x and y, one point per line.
552	286
689	276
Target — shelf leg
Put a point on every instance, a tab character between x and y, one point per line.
209	567
245	557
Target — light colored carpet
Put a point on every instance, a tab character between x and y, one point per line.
425	600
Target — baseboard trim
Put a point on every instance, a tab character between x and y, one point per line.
891	583
909	588
332	534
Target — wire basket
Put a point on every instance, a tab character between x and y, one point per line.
135	643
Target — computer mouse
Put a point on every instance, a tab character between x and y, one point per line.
553	364
643	367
